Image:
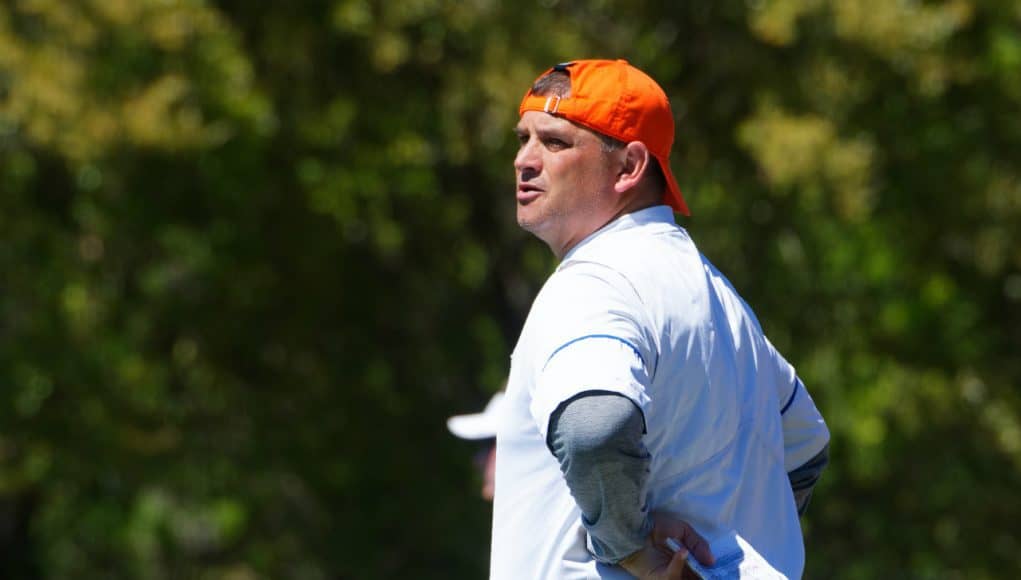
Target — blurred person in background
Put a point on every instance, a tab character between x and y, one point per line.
481	428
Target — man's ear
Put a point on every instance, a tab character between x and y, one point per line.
634	162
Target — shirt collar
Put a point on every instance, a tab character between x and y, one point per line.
650	215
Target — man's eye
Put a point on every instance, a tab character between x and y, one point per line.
555	144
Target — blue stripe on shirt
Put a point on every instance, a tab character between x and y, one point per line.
793	394
580	338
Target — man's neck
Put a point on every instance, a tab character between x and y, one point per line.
636	206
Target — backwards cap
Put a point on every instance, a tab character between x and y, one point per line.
618	100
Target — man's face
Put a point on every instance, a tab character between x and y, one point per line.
564	180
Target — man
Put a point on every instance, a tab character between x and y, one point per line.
644	402
481	427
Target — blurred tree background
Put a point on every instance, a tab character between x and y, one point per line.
252	255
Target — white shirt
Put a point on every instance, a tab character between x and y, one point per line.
635	309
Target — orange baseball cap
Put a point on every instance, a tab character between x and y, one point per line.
618	100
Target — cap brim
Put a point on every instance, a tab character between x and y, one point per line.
477	426
672	196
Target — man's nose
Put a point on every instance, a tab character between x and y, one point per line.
527	157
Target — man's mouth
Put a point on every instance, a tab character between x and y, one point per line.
527	193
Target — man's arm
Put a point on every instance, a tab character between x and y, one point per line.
597	438
804	478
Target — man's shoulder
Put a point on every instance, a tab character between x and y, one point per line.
638	256
581	280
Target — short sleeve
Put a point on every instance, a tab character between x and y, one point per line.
595	340
804	431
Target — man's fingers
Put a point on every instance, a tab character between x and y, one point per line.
684	539
675	571
698	545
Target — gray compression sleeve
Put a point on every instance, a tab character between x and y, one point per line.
804	478
597	438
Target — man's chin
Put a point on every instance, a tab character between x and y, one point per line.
539	229
530	225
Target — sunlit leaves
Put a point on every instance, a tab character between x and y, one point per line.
253	255
804	152
86	77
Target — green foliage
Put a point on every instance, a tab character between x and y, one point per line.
252	257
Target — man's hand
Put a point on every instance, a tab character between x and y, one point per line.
656	561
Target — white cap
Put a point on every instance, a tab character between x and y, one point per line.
477	425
